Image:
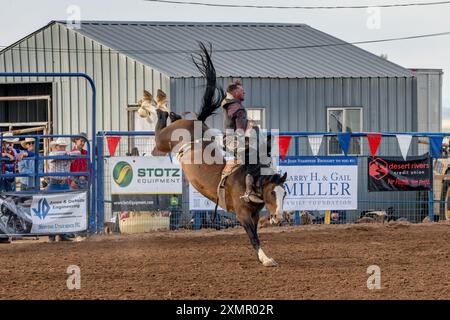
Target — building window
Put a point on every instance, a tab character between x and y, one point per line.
344	120
258	116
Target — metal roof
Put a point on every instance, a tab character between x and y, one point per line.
240	49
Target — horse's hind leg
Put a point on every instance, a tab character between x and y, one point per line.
250	226
162	120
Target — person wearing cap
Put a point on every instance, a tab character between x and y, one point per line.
79	165
59	183
28	165
10	157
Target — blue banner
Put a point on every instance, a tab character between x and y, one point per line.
318	161
436	145
344	140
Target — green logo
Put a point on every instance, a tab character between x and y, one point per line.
123	174
174	201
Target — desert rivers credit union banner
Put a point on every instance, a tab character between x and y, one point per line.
144	183
395	174
320	183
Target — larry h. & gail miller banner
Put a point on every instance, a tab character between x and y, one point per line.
320	183
396	174
144	183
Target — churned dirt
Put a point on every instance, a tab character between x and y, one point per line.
315	262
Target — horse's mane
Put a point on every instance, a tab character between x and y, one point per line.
273	178
214	94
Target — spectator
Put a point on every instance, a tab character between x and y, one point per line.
57	183
79	165
9	162
28	165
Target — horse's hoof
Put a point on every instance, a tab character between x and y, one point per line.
270	263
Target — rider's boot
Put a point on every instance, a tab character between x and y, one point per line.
248	188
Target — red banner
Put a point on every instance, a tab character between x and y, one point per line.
374	140
113	142
283	143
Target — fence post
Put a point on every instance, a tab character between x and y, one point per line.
297	153
100	184
431	196
297	218
37	178
197	220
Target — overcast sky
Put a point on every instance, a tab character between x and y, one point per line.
19	18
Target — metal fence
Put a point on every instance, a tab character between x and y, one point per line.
412	206
32	175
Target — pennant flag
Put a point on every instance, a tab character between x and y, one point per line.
283	144
436	145
112	144
374	140
315	141
404	141
344	140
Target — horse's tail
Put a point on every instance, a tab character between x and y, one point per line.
214	94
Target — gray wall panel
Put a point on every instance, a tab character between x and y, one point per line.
119	80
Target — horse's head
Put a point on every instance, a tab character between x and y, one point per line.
273	194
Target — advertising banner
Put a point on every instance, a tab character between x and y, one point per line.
198	202
396	174
145	183
320	183
43	213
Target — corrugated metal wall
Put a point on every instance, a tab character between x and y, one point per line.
301	104
429	99
119	79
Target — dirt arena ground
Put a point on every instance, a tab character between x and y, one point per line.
315	262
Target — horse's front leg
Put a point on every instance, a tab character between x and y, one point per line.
251	225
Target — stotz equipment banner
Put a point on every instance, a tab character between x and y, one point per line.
320	183
395	174
145	183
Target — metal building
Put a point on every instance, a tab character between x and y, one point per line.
296	78
293	75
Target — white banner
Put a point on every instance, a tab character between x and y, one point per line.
59	213
145	175
198	202
320	183
315	141
404	141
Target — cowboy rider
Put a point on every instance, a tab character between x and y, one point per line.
235	118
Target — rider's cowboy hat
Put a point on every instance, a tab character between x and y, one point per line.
9	140
27	140
59	142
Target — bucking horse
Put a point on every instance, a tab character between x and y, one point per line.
206	176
